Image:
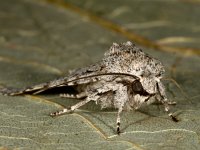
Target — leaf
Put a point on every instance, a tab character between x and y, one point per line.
42	40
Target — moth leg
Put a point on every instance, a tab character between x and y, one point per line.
76	106
168	102
165	101
118	120
171	103
71	109
169	113
78	96
120	98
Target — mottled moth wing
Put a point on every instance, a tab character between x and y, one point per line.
114	64
75	77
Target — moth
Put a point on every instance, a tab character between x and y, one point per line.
125	79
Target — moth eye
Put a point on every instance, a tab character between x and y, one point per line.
137	86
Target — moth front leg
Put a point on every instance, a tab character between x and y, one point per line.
163	99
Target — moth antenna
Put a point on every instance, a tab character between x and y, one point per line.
64	83
195	96
178	86
105	74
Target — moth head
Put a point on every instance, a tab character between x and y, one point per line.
149	84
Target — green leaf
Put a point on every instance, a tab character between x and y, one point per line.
43	40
